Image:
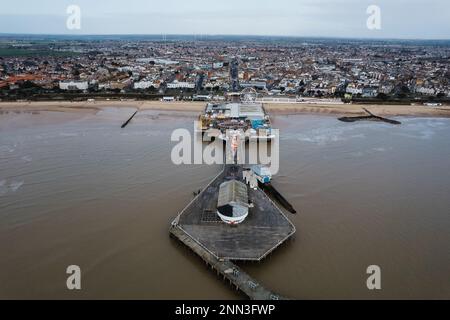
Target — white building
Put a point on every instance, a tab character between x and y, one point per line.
232	205
199	97
144	85
425	91
181	85
353	90
73	85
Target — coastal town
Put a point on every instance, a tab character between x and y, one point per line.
225	159
205	68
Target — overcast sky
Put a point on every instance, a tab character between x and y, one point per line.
429	19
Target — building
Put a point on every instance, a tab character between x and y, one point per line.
181	85
237	111
260	85
369	92
168	99
232	205
144	85
354	90
199	97
73	85
425	91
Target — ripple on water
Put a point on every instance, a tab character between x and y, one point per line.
11	187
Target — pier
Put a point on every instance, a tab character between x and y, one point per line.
219	245
228	270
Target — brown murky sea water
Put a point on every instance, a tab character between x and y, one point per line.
76	189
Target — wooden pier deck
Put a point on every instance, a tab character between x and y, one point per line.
228	270
265	228
218	244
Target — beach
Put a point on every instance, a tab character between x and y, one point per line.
272	108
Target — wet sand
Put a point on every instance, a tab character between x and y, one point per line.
357	110
93	107
272	108
76	189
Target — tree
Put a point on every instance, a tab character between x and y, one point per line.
28	85
75	72
382	96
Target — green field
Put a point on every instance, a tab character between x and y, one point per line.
20	52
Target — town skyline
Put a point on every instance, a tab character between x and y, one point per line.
206	36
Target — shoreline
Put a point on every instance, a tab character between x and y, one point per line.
271	108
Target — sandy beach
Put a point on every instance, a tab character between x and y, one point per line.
272	108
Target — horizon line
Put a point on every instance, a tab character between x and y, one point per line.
222	35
